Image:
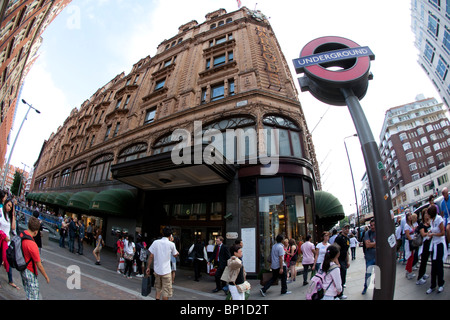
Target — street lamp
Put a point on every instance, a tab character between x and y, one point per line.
353	180
15	140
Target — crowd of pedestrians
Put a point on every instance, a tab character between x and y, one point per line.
423	237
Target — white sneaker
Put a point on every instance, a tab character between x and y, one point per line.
343	297
421	281
440	289
410	275
430	290
425	276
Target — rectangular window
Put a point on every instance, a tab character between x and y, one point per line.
219	60
203	97
150	115
108	131
160	84
442	179
127	100
231	87
429	52
433	25
117	129
119	102
442	68
217	92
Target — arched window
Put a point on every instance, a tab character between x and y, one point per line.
55	180
133	152
238	140
78	173
287	138
100	168
65	174
164	144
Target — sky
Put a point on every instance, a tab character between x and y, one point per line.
92	41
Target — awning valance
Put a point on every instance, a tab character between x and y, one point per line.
113	201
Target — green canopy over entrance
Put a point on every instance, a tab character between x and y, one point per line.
329	210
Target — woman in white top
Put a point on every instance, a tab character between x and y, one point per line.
438	250
321	249
332	282
128	253
8	226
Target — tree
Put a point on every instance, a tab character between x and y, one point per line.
16	183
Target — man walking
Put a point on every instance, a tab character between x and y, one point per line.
160	253
80	237
370	253
344	242
220	255
278	266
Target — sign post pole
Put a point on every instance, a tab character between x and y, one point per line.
385	239
346	86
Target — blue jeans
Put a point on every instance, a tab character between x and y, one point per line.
369	263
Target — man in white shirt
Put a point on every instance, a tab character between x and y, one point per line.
160	253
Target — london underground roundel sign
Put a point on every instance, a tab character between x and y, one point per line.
333	63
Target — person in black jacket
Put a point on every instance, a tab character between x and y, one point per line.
199	255
344	243
220	256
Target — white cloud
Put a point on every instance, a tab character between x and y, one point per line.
54	108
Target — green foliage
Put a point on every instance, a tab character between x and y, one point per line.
16	183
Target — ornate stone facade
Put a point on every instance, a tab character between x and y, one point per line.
229	73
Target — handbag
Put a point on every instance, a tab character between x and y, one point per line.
243	287
212	272
146	286
128	256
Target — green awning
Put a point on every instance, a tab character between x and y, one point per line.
40	197
114	201
30	196
62	199
51	198
328	208
81	201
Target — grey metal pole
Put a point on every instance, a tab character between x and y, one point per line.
382	206
15	140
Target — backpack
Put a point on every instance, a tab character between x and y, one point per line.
315	290
14	253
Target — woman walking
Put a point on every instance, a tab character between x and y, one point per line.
236	274
424	250
291	259
99	243
438	250
321	249
308	250
129	249
8	226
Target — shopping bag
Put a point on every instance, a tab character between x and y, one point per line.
121	264
146	286
212	272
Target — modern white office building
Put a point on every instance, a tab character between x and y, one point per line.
430	22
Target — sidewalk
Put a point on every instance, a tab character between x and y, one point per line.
186	288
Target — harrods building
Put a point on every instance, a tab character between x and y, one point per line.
120	162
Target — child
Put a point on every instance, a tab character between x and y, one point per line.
332	281
31	251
